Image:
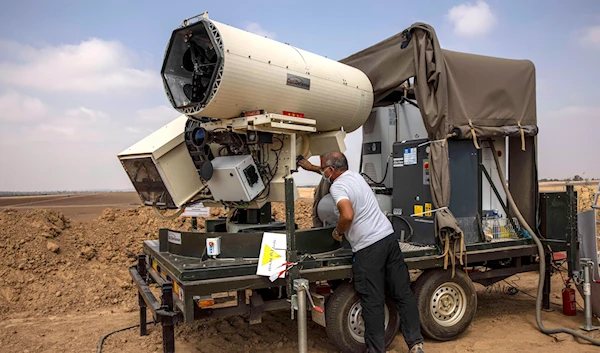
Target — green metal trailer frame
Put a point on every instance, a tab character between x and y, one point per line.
184	279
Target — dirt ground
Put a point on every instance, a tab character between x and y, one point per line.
64	285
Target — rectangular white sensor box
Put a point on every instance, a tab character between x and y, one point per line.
235	179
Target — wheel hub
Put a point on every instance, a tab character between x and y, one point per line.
448	304
356	323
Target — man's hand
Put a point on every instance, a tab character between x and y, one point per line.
305	164
336	237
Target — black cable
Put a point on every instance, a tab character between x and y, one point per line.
280	148
271	172
101	343
412	232
404	99
387	167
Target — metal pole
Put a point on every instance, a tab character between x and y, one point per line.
300	286
547	289
587	294
290	231
572	243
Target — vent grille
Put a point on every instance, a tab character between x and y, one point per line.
371	171
369	125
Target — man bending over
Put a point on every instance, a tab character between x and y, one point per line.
379	261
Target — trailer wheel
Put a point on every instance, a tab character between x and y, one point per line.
344	323
446	305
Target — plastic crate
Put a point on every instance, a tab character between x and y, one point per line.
499	228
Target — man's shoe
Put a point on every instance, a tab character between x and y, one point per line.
417	348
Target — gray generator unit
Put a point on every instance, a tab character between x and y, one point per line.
413	209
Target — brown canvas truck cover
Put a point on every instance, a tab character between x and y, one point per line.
459	95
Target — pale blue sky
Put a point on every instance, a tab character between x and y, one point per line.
79	80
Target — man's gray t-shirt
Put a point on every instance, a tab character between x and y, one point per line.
369	224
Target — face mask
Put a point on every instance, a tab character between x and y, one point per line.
328	180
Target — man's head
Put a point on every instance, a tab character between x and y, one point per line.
333	164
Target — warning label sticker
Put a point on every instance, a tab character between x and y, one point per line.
272	258
418	211
398	162
427	210
269	255
410	156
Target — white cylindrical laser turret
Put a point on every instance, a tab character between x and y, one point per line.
217	71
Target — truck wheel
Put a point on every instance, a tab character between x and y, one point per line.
344	323
446	305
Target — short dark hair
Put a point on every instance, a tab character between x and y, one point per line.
335	159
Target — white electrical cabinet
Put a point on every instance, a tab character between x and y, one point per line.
386	125
235	179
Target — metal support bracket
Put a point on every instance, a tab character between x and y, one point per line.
586	266
301	288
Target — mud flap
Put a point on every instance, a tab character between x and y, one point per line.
317	317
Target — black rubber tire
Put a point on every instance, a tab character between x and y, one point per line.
336	314
424	288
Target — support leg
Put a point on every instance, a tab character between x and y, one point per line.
300	286
141	268
143	328
587	264
168	327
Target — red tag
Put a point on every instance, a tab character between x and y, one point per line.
252	113
295	115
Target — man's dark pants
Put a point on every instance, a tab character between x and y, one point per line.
377	267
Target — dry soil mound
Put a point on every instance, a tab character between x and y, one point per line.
51	265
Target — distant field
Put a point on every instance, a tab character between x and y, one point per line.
76	206
560	185
90	206
87	206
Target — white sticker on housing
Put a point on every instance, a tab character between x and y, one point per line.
587	290
197	210
174	237
398	162
410	156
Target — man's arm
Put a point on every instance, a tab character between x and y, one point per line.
346	216
305	164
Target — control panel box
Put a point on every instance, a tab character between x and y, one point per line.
213	246
412	203
235	179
